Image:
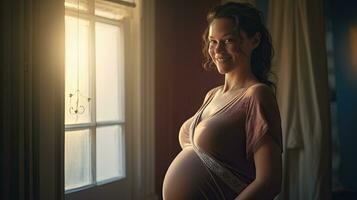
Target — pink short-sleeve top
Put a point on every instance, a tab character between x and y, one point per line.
231	136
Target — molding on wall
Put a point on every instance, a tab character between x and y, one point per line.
144	147
148	103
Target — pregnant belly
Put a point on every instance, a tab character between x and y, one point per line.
187	178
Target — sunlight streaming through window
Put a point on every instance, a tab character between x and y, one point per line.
94	89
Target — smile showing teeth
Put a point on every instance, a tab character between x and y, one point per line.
222	59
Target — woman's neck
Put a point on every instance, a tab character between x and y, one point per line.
238	79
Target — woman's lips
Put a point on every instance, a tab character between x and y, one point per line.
223	59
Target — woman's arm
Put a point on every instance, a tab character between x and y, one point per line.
268	166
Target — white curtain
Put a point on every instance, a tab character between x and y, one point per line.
297	28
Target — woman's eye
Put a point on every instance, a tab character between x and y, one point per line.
212	42
228	41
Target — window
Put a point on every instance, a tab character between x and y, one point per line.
95	123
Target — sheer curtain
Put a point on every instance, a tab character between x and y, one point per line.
298	34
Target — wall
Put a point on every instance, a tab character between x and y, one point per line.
11	56
343	16
181	82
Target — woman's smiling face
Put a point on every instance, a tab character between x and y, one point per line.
227	50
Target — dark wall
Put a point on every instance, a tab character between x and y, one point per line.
343	16
181	82
10	65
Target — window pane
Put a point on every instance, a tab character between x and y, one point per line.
110	10
109	73
77	159
77	103
73	4
110	152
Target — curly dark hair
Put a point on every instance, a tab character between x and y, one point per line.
248	19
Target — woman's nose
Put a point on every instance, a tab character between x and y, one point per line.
220	47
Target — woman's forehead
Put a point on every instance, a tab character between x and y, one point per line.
220	27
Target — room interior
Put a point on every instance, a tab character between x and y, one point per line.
162	84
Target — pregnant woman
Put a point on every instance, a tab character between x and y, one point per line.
231	148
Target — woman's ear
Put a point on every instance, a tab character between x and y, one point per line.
256	39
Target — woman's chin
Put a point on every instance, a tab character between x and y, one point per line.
223	69
221	72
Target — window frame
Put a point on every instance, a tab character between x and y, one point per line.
43	123
94	124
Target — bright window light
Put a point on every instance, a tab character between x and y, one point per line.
94	93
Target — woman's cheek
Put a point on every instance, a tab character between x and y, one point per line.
232	48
